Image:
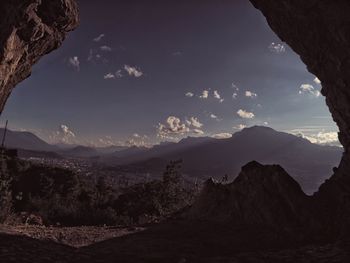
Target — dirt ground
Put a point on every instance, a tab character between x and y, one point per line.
70	236
177	242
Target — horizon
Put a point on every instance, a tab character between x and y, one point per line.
227	72
220	137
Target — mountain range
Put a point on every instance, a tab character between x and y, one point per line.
30	144
203	157
310	164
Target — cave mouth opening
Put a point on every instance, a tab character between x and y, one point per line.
213	61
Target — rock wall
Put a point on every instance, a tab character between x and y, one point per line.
260	195
319	31
29	29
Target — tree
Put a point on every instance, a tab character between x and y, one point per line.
5	190
172	192
172	176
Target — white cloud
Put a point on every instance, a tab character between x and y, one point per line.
63	135
309	89
103	142
109	76
205	94
277	48
138	140
106	48
119	74
223	135
240	127
106	141
234	86
317	81
327	138
214	117
99	38
217	95
189	94
75	63
245	114
193	121
133	71
66	131
174	127
198	131
250	94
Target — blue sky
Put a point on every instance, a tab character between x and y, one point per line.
139	73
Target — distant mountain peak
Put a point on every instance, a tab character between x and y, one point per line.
258	128
251	165
25	140
195	139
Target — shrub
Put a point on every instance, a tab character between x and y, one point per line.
5	191
60	196
156	198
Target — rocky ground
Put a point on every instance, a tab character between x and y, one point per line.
70	236
175	241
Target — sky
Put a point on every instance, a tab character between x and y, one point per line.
139	72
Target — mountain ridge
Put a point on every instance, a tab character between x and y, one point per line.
310	164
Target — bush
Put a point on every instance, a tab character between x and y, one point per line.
156	198
5	191
60	196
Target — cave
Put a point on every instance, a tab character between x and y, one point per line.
30	29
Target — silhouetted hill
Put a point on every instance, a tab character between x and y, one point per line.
99	150
310	164
260	195
38	154
30	144
80	151
135	154
111	149
25	140
132	151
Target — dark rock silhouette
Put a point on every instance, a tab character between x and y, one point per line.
319	31
26	141
29	30
261	194
264	196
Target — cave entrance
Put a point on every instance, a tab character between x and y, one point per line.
205	70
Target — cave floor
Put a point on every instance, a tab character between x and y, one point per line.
176	242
